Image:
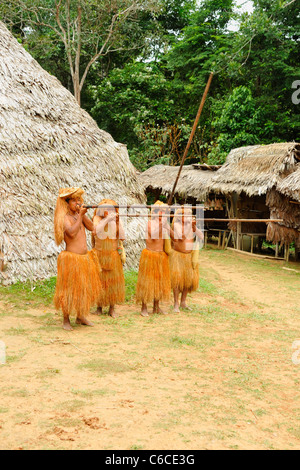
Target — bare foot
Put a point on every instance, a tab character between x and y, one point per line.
113	313
163	312
84	321
144	311
185	307
99	311
159	310
67	325
176	308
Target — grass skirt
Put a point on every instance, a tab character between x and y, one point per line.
112	278
183	275
154	277
78	283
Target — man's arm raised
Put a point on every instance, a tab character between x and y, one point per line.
72	230
88	223
198	232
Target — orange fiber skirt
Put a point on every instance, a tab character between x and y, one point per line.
112	278
183	275
78	283
154	277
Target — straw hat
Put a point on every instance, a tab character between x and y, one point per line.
107	202
158	204
180	213
70	193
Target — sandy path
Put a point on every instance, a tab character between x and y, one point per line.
218	377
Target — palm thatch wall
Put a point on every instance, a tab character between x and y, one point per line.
194	180
281	208
290	186
256	169
47	142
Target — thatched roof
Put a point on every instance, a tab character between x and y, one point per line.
194	180
256	169
290	186
47	142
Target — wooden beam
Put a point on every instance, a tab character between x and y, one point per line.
192	135
254	255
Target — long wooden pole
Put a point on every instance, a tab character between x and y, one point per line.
252	221
135	206
191	136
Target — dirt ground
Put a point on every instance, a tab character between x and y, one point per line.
219	376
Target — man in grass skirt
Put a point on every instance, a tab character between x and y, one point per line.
78	283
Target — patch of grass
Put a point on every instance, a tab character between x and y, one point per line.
260	412
72	405
10	359
103	366
92	393
130	285
19	330
47	373
207	287
177	340
32	293
39	340
50	323
295	432
21	393
67	422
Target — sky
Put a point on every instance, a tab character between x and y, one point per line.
247	5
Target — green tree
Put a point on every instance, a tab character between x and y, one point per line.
91	28
134	105
238	125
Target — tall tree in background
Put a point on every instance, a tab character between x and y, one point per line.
267	67
145	87
89	28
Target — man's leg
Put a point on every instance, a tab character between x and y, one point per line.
157	309
183	303
84	321
144	311
112	312
176	300
66	323
99	311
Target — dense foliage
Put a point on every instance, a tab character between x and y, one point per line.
147	91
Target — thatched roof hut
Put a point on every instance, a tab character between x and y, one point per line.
47	142
255	174
256	169
194	181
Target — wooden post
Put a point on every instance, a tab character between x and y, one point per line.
228	239
287	252
219	239
191	136
224	240
296	252
238	235
277	250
